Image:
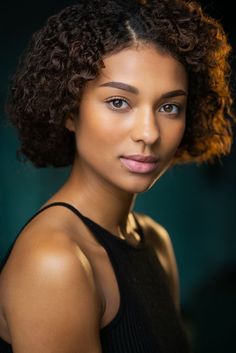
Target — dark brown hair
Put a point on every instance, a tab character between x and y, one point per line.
68	51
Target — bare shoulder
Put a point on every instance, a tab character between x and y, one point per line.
158	237
43	237
53	229
49	296
154	231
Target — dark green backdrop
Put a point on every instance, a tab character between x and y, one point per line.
195	204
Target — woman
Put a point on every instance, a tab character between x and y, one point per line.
121	90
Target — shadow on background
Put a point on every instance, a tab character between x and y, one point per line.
211	314
195	204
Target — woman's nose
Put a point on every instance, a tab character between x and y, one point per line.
145	127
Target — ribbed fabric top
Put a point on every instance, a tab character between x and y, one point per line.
146	321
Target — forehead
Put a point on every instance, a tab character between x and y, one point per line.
141	66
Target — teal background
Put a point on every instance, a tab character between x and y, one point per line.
196	204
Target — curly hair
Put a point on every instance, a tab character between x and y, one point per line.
69	50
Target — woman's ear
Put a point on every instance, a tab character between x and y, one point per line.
70	122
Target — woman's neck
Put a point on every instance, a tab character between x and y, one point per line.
102	202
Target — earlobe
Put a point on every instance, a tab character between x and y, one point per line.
70	123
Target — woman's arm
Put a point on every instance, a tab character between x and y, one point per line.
51	302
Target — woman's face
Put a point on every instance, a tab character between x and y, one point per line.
131	119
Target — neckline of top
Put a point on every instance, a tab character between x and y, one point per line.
87	220
121	241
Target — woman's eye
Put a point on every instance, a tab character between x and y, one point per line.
118	103
169	109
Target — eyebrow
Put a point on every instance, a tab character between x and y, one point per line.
132	89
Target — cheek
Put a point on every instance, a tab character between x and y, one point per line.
96	131
99	124
180	132
174	133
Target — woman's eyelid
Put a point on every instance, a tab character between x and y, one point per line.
174	101
175	104
117	97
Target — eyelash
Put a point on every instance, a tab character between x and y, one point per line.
126	101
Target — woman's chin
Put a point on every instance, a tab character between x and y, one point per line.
136	187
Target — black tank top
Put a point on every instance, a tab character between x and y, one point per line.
146	321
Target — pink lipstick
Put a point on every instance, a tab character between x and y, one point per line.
141	164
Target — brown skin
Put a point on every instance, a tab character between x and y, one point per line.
58	278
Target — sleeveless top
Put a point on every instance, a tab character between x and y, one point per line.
147	320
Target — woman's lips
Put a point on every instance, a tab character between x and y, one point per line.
139	164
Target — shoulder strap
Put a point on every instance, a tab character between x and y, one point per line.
64	204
